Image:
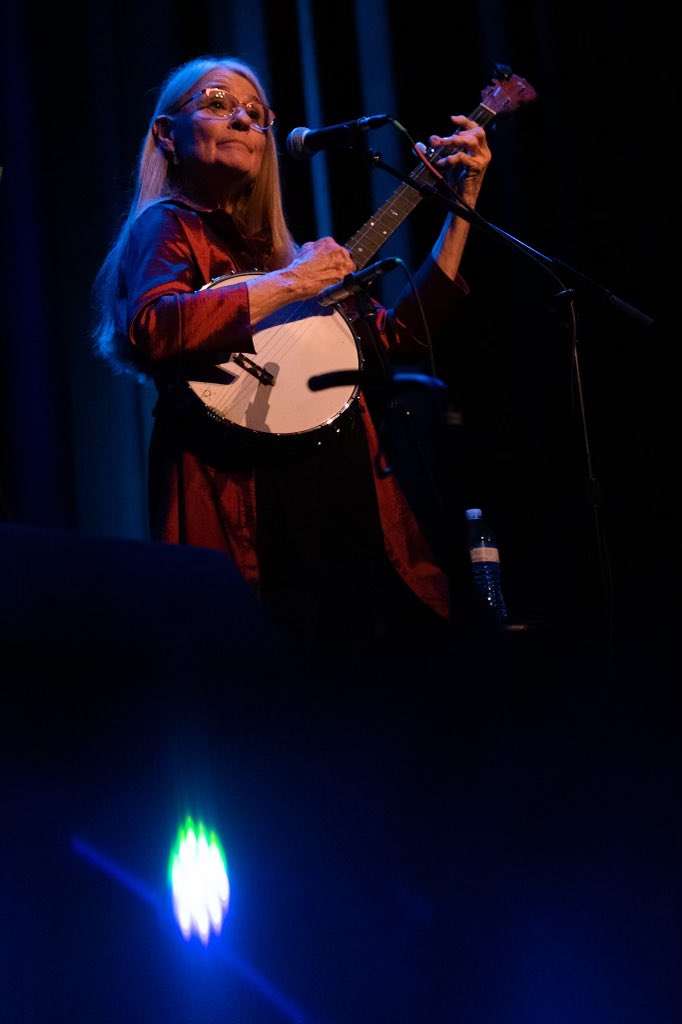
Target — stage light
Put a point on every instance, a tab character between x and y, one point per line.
199	883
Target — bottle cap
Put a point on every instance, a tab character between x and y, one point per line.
473	513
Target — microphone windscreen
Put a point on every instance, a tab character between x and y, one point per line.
296	143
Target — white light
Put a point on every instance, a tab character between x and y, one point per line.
199	882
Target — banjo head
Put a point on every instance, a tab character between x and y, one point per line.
268	391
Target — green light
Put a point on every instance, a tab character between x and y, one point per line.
197	873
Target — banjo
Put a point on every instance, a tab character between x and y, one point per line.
267	392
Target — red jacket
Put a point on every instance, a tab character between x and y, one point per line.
174	249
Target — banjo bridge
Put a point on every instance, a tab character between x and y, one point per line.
262	375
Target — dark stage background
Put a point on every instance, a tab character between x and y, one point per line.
486	835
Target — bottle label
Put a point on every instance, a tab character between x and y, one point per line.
484	554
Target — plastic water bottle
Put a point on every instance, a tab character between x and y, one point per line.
485	565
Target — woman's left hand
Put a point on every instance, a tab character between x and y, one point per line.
468	160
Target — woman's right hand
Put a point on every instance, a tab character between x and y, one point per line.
316	266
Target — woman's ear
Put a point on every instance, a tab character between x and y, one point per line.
163	134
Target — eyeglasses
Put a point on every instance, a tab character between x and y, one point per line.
223	104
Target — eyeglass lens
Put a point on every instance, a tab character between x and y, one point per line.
224	105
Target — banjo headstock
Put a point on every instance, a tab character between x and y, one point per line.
506	92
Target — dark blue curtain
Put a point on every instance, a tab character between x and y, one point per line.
556	900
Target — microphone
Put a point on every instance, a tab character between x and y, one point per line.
356	282
305	142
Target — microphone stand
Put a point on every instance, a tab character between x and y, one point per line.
554	267
468	213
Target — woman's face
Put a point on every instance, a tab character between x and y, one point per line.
217	149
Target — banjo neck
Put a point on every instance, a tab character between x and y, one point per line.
503	95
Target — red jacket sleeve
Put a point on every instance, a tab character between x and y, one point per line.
170	321
440	298
402	329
